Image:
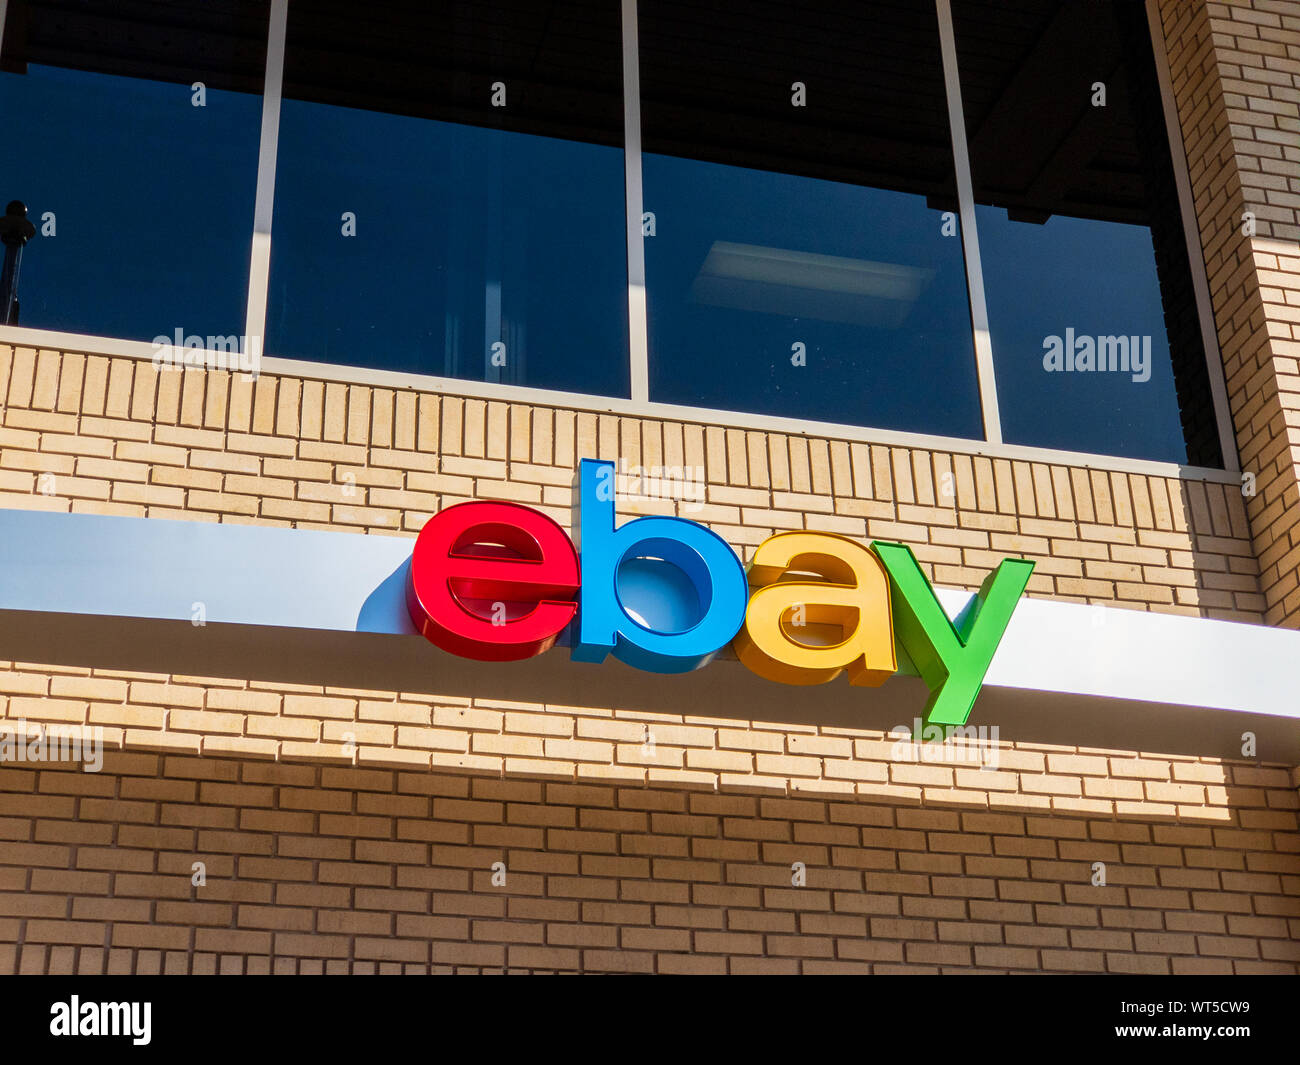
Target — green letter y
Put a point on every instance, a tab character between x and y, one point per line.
951	659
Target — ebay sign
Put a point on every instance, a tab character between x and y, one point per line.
500	582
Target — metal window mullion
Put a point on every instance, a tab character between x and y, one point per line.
969	236
259	269
638	330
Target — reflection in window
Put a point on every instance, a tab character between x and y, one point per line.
133	133
1094	326
449	192
805	258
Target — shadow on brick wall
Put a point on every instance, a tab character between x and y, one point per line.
315	867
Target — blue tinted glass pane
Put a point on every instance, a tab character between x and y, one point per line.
143	203
798	297
1092	312
450	192
1074	283
465	238
805	259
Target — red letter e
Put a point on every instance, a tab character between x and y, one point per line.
495	582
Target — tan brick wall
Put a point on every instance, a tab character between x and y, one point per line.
1236	76
616	861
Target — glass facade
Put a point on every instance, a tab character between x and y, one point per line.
449	200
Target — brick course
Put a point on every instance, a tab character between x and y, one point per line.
315	867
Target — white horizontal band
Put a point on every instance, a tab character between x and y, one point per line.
328	607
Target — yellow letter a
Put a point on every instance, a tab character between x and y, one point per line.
801	631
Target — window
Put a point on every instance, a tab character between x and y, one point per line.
133	140
1096	341
805	258
449	192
